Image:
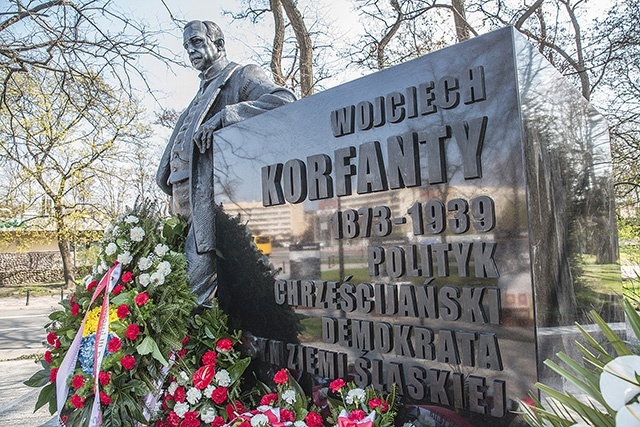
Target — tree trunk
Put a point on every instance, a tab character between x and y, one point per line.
62	234
306	48
67	263
278	42
460	20
382	45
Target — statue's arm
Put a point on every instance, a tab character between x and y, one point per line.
164	170
256	94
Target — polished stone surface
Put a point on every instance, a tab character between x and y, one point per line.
481	195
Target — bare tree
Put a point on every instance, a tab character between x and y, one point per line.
61	133
396	30
74	38
296	54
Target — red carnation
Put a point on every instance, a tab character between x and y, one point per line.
203	376
92	285
51	338
128	362
173	419
185	340
219	395
286	415
117	290
217	422
77	401
141	299
114	344
179	395
132	332
383	405
47	356
336	385
75	309
190	419
104	378
281	377
224	344
240	407
357	415
104	398
209	358
56	344
313	419
269	399
52	375
126	277
78	381
123	311
182	353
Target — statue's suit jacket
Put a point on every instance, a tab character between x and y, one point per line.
234	94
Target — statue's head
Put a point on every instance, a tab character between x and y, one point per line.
204	43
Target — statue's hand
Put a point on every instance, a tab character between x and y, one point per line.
203	138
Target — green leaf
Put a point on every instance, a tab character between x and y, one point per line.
149	346
146	346
632	316
616	342
47	395
122	298
208	332
118	327
38	379
237	369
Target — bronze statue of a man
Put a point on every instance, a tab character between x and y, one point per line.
228	94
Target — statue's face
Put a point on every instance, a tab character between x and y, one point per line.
202	51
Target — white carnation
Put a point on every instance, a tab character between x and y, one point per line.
157	278
101	268
207	391
181	409
131	219
208	415
289	396
300	424
264	408
125	258
136	234
223	378
161	250
183	378
144	279
164	268
172	387
259	420
144	264
111	249
193	395
355	395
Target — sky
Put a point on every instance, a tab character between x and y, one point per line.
178	85
175	86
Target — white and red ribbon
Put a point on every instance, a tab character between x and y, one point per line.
68	364
344	421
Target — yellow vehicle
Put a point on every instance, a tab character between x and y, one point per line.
263	242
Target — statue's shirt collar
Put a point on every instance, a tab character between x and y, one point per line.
212	72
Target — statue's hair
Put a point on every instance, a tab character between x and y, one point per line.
213	31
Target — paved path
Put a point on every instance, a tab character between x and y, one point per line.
21	335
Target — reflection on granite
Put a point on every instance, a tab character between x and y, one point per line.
468	225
